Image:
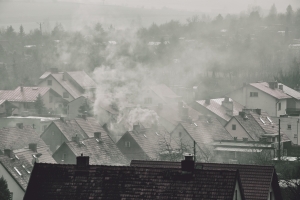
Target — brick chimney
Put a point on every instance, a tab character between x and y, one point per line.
33	147
136	127
8	152
97	135
188	164
75	139
273	85
82	161
207	101
84	116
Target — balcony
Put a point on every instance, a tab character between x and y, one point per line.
293	111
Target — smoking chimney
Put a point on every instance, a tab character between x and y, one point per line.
228	105
33	147
8	152
188	164
97	135
258	111
82	161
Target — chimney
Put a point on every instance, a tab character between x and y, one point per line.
8	152
184	113
207	101
228	105
21	87
258	111
242	114
20	125
75	139
33	147
273	85
82	161
280	87
97	135
188	164
84	116
63	76
136	127
62	119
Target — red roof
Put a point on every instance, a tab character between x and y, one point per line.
256	179
29	94
55	181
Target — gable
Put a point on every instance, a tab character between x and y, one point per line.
240	132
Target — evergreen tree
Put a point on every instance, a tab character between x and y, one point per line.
21	31
85	109
39	104
4	192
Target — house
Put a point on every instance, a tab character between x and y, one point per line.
222	108
254	125
64	130
23	99
146	143
70	85
128	182
38	123
18	137
243	152
275	98
158	94
258	182
101	149
16	167
199	136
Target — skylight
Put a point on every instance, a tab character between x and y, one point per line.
262	121
145	136
156	133
270	120
17	157
17	171
26	169
195	124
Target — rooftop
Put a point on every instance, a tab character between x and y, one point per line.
127	182
29	94
82	79
286	93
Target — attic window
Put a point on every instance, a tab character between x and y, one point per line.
262	121
289	127
270	120
26	169
17	171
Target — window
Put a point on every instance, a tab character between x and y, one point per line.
50	99
233	127
64	156
66	95
127	144
148	100
11	196
289	127
253	94
279	106
295	136
49	82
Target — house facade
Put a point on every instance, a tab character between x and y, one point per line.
275	98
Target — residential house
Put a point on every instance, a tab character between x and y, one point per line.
199	136
16	167
23	99
258	182
146	143
101	149
63	130
222	108
74	106
128	182
275	98
38	123
18	137
70	85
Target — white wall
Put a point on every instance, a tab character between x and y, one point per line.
18	192
240	132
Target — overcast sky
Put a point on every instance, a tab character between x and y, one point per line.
205	5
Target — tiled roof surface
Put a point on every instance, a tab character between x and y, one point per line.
164	92
207	130
293	93
16	138
11	165
89	126
256	180
2	101
27	153
45	75
29	94
125	182
103	153
82	79
152	141
216	107
67	85
277	93
70	129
